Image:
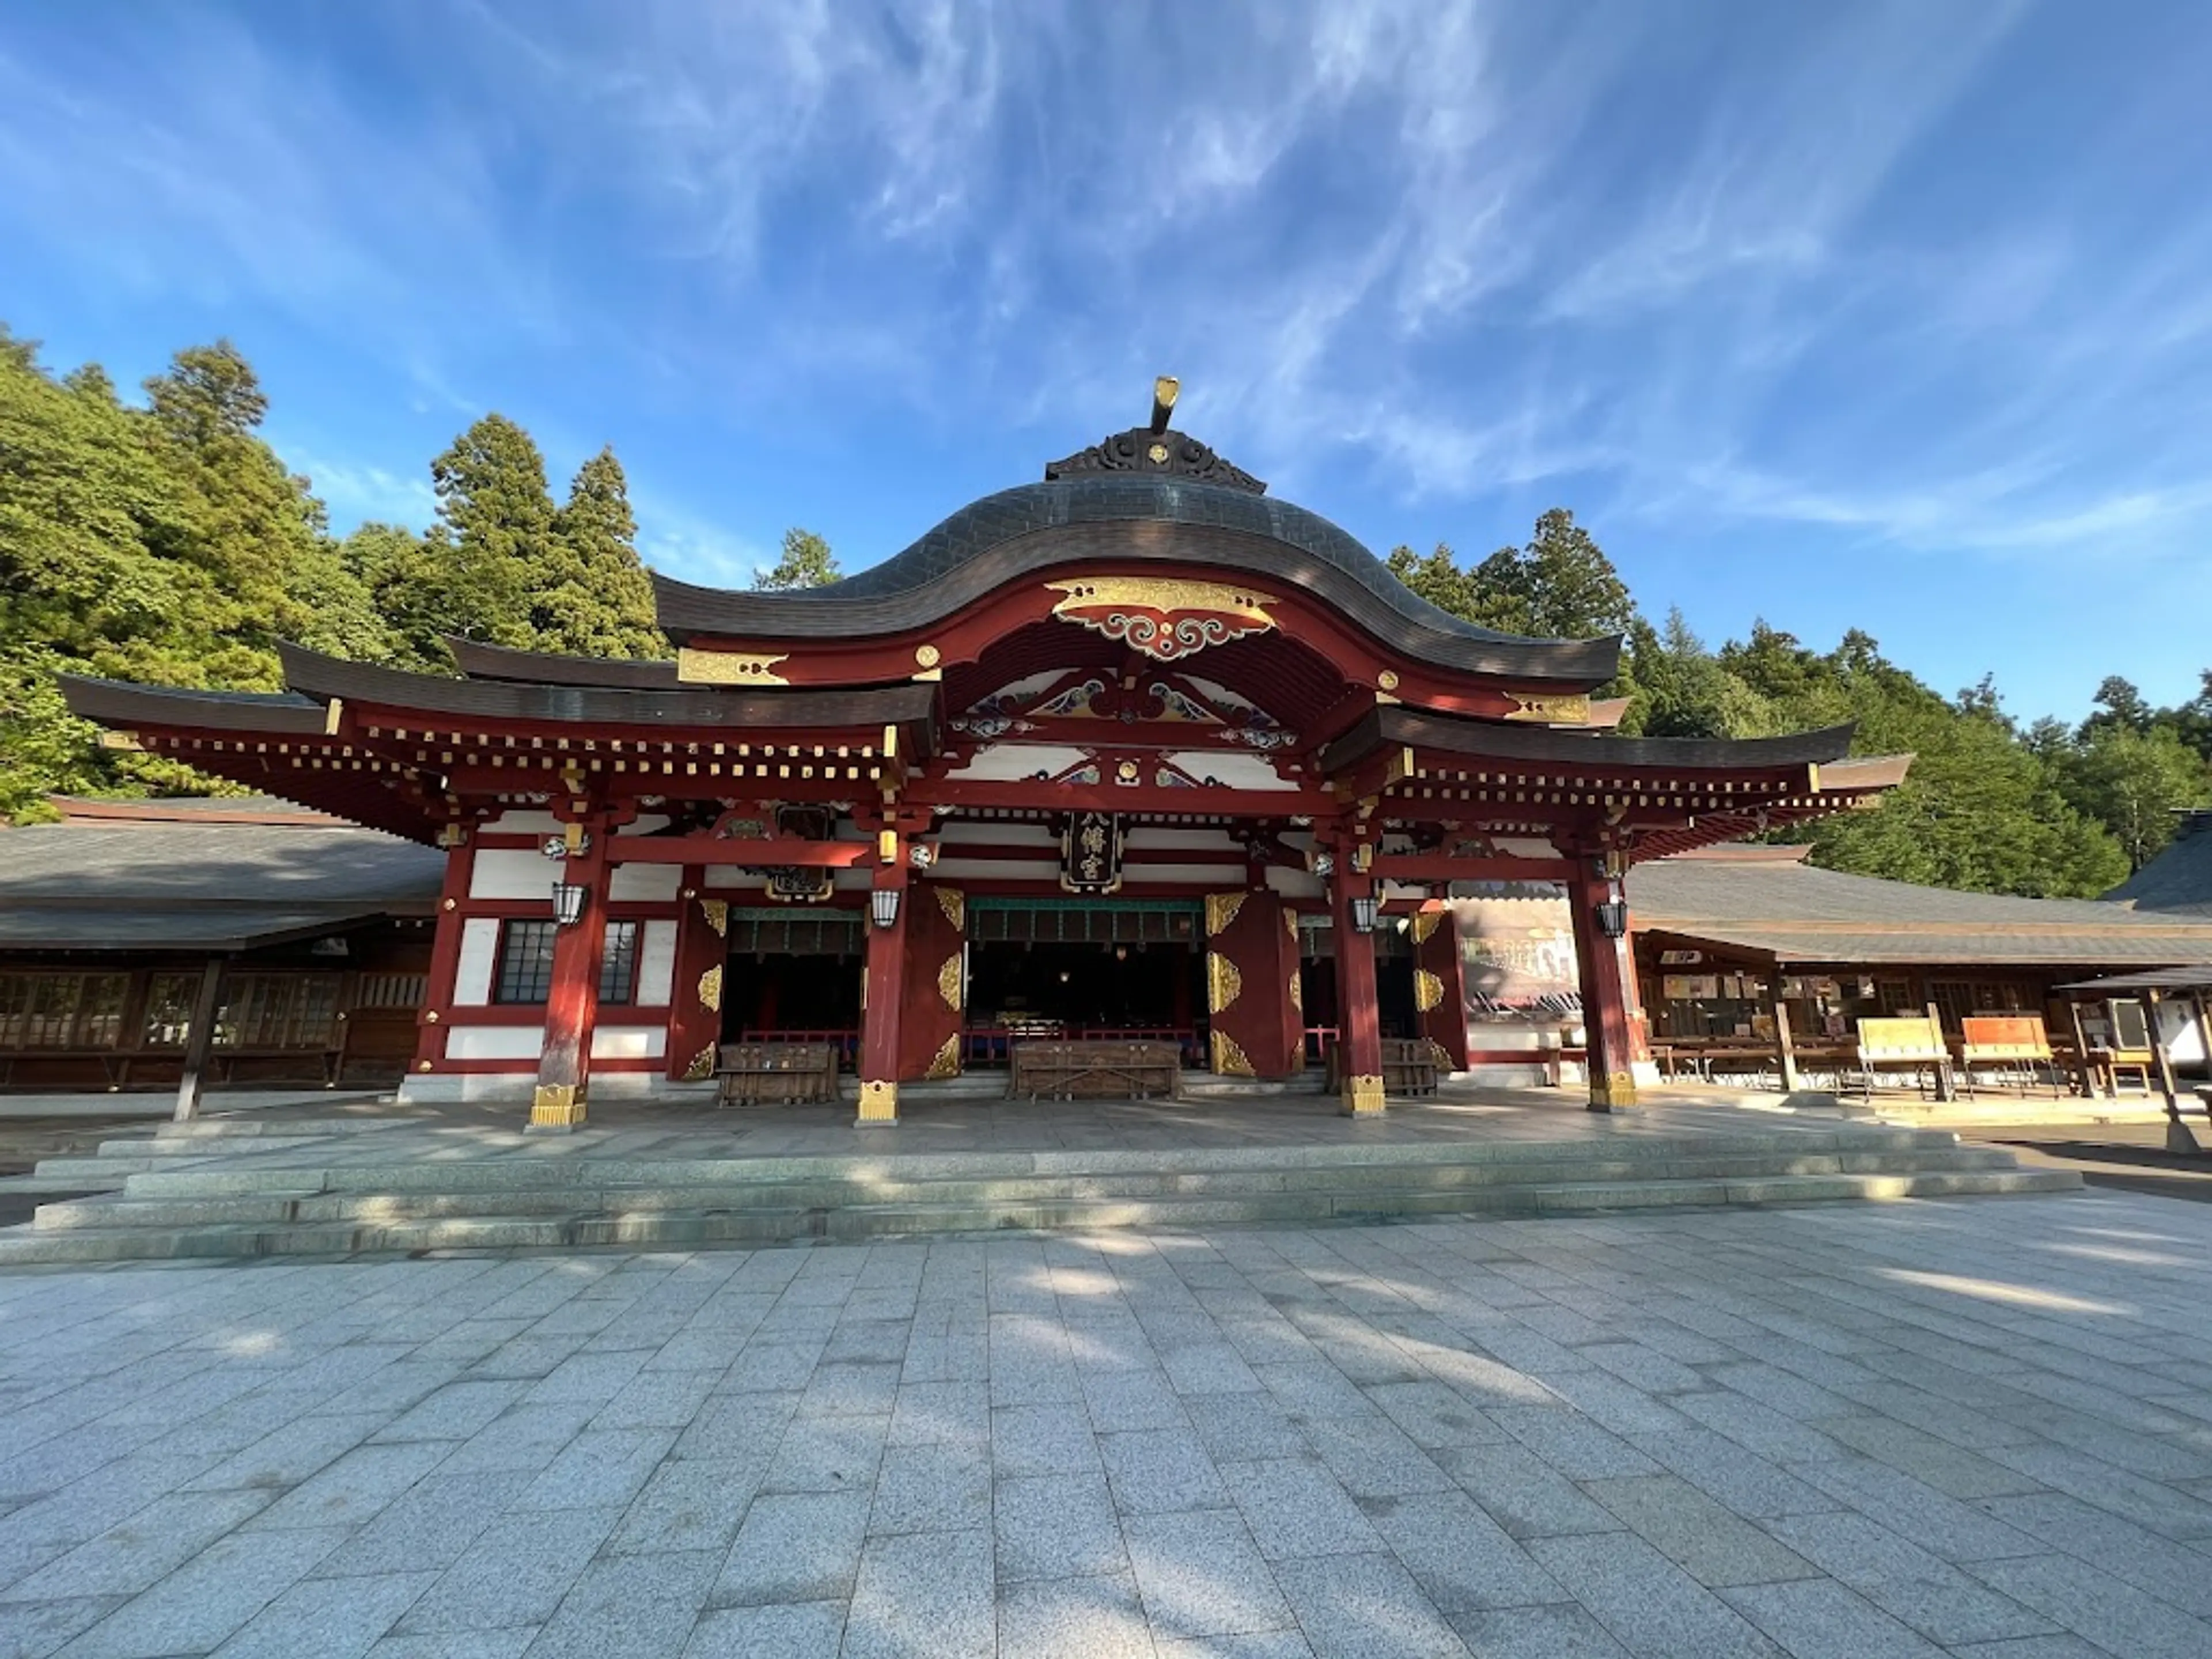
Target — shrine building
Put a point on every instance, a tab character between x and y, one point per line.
1137	750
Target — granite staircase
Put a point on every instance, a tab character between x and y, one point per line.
339	1187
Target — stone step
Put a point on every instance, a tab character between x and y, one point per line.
306	1199
104	1170
741	1227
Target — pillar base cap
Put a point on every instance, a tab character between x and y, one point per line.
558	1107
1613	1094
1362	1096
879	1106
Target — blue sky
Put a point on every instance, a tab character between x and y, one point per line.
1894	316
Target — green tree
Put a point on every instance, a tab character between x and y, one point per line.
1560	586
592	597
2134	783
807	561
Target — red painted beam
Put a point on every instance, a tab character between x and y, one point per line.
760	854
1442	866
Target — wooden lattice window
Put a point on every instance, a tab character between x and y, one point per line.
62	1010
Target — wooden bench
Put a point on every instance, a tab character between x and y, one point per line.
1904	1042
2014	1043
775	1073
1094	1069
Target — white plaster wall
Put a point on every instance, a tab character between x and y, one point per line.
494	1043
1234	768
1003	763
639	884
656	963
518	822
513	873
628	1043
479	953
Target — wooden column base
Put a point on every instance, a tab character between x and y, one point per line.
878	1105
1615	1093
1362	1096
557	1107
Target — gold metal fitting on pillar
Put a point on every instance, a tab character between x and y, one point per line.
1362	1096
879	1103
556	1106
1613	1094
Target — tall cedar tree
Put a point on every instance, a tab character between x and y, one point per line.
592	597
807	561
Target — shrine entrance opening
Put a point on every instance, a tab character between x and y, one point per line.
793	974
1083	967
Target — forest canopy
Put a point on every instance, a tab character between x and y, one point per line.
165	540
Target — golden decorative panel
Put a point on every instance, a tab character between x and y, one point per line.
1222	981
1297	991
954	903
948	982
728	668
556	1106
1290	921
1229	1060
1426	923
1553	711
1362	1096
946	1061
879	1103
710	989
1221	909
1163	618
702	1066
718	916
1428	990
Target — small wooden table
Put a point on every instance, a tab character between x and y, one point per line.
776	1073
1095	1069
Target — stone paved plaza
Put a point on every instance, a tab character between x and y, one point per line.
1980	1428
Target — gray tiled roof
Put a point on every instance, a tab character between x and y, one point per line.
2179	878
1798	913
121	885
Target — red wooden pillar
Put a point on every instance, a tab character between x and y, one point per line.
695	993
1439	986
445	958
883	990
1251	963
1359	1016
572	1002
932	1017
1604	989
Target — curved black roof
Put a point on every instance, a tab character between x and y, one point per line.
1095	516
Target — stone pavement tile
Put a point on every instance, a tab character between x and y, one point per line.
828	1454
1618	1406
507	1644
1123	1401
1047	1438
1373	1457
31	1630
329	1618
1642	1368
1314	1390
2168	1456
1759	1428
931	1489
1914	1510
1433	1415
691	1504
1201	1575
1243	1427
924	1595
874	1341
1909	1583
942	1413
794	1546
2032	1647
2077	1596
523	1437
1097	1618
1461	1557
454	1412
771	1368
396	1387
427	1526
1290	1644
1741	1479
1366	1606
1160	1469
629	1607
1571	1443
1948	1468
1524	1494
599	1467
2164	1509
1819	1619
1061	1526
531	1358
195	1607
1560	1631
354	1488
290	1454
1771	1386
657	1400
748	1426
141	1549
35	1533
2173	1572
1295	1506
1713	1546
598	1377
515	1572
1652	1608
850	1390
793	1630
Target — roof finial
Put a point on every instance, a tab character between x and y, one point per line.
1165	389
